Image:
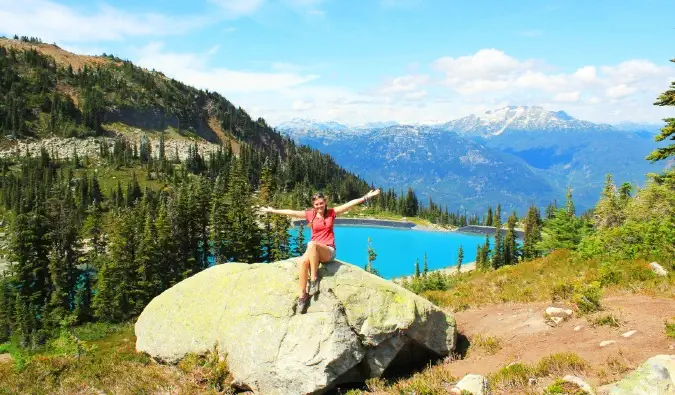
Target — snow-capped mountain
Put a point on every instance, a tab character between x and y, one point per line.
514	156
523	118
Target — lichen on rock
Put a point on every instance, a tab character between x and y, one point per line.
355	328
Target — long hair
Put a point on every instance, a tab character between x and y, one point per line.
318	195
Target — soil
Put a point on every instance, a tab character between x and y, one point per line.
526	337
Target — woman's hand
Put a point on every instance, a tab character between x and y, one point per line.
372	193
265	210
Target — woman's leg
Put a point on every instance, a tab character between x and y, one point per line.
317	253
304	268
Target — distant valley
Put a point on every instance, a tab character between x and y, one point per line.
514	156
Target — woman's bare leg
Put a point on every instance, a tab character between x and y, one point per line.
304	268
317	253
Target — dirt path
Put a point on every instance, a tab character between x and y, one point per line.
525	337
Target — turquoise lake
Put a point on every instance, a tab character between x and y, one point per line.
397	248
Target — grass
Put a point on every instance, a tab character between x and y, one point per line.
560	387
560	276
112	366
488	344
670	328
607	320
516	376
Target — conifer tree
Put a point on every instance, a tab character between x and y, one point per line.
148	283
532	235
667	98
425	268
300	245
498	253
608	212
417	268
479	262
460	259
489	220
372	255
510	245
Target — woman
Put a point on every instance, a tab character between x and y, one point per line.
321	247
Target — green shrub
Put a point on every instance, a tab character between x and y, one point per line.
670	328
587	297
609	273
562	291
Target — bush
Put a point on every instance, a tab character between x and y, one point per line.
587	297
670	328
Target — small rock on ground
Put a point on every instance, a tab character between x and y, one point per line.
580	383
629	333
607	343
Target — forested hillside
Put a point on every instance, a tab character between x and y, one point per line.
96	237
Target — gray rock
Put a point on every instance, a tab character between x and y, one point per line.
580	383
358	326
473	383
658	269
654	377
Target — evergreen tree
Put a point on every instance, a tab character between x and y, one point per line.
372	255
460	259
300	245
425	269
489	220
667	98
479	262
147	276
510	245
498	253
417	268
608	212
569	203
532	235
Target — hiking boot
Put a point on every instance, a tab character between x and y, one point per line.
302	304
313	287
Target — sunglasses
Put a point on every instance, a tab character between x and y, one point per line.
318	196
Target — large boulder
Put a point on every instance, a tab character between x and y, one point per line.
654	377
356	327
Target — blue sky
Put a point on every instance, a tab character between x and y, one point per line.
376	60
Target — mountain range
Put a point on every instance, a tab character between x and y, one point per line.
514	156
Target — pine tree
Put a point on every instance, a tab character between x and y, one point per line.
532	235
417	268
608	212
667	98
479	262
460	259
5	309
510	245
300	245
148	284
569	203
425	269
372	255
498	255
489	220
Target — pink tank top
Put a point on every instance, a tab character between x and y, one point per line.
322	227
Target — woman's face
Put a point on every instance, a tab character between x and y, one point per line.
319	204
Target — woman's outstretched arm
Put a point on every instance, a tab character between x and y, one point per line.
290	213
341	209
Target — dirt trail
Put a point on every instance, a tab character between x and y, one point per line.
527	338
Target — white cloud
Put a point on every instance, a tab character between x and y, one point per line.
567	97
193	69
55	22
619	91
404	83
444	90
301	105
